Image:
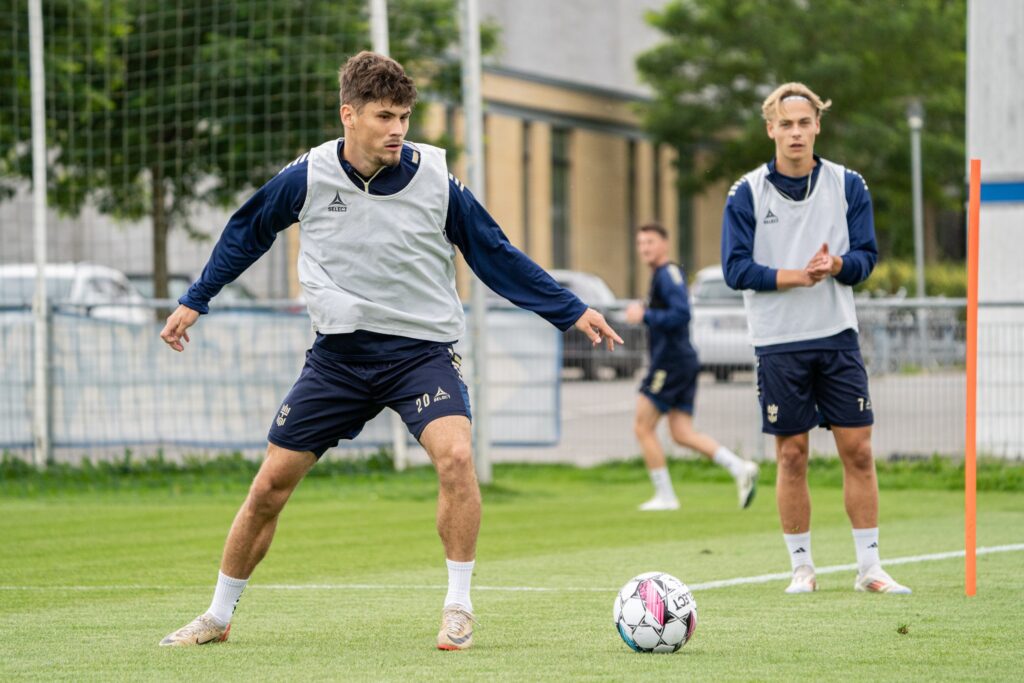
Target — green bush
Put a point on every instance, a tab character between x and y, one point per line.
940	279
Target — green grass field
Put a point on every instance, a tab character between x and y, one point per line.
93	573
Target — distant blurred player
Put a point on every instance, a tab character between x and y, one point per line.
379	219
797	234
671	382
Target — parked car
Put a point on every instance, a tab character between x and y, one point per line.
718	327
578	352
84	288
178	283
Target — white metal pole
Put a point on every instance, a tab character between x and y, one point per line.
40	311
379	27
915	119
380	45
916	124
473	111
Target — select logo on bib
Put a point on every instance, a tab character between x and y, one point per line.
337	204
770	217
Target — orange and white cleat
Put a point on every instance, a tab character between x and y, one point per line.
456	628
202	630
877	580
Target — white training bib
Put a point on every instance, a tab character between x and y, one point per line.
787	234
379	263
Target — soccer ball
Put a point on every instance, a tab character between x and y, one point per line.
655	612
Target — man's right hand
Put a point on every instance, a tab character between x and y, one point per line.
820	265
597	329
816	270
177	326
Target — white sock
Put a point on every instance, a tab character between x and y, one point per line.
723	457
866	543
662	483
226	597
799	549
460	574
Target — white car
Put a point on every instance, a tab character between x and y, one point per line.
718	327
93	290
232	294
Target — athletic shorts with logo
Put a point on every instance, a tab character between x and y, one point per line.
335	397
801	390
672	386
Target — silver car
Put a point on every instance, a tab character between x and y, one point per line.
82	288
718	327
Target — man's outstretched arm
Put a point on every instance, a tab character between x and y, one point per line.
249	233
512	274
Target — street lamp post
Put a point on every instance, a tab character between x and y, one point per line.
915	120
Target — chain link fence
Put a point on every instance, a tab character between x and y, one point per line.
162	116
114	385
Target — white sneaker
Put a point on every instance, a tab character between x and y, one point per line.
456	629
746	484
803	580
659	504
200	631
877	580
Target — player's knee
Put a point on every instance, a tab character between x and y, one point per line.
683	437
860	458
642	428
455	463
267	496
792	460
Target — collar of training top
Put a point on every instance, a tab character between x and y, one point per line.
794	188
390	179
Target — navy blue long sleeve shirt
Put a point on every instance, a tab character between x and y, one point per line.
251	231
668	318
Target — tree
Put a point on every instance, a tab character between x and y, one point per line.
870	57
189	102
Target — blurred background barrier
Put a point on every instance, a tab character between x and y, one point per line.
917	386
162	117
116	385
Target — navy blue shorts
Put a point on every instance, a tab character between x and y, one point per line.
671	388
334	397
805	389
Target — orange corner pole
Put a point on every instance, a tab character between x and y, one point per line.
970	455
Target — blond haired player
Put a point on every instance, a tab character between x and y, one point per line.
798	233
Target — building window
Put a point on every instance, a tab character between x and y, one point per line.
684	241
526	186
631	220
560	255
656	181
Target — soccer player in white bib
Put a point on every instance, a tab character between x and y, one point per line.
380	219
797	234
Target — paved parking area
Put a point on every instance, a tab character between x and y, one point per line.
914	414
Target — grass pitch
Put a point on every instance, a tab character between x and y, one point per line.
93	575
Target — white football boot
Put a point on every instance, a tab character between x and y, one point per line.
659	504
803	581
877	580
